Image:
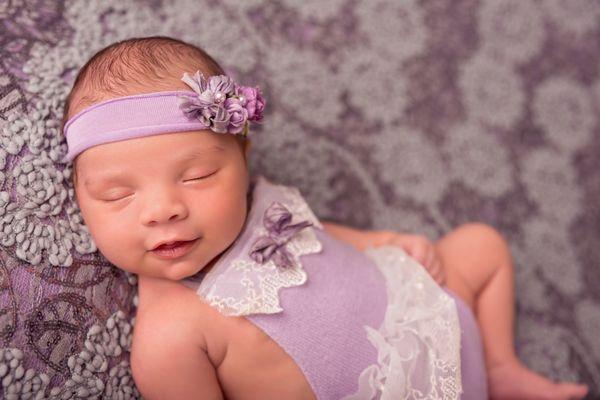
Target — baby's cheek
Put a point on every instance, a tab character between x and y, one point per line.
109	234
118	250
229	217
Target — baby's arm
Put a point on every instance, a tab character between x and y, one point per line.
361	239
170	366
419	247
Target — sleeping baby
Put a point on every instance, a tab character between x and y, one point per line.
243	292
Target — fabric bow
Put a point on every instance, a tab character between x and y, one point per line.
277	220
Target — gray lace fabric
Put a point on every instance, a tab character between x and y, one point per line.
412	115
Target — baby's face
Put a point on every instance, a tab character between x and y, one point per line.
138	193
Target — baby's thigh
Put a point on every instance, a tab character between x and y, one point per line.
471	254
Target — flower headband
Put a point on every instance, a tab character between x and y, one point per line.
216	103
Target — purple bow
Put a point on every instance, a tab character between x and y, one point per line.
277	220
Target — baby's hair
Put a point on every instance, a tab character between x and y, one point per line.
147	61
135	66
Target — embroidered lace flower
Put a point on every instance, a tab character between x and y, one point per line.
222	105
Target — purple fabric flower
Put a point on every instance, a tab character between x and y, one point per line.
220	84
221	105
220	119
277	219
209	92
238	115
196	82
194	109
254	102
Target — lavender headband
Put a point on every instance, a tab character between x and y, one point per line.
216	103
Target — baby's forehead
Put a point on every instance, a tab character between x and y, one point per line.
166	149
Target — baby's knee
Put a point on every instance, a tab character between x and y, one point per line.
482	234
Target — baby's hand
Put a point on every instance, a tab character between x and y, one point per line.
418	247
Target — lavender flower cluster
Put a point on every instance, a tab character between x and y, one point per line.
222	105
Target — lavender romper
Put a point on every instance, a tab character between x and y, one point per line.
360	325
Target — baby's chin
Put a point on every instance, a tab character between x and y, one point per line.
184	269
170	275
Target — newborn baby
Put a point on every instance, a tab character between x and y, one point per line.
243	292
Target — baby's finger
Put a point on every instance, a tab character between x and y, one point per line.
430	256
409	246
440	273
441	279
433	267
436	272
438	279
419	253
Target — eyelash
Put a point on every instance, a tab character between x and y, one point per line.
187	180
114	200
201	177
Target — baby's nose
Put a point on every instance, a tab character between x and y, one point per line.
163	209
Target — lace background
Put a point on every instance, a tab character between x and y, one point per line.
392	114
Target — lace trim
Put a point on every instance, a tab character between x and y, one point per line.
418	342
248	287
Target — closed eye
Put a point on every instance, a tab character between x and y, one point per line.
116	199
200	177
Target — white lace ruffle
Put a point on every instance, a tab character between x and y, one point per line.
247	287
418	343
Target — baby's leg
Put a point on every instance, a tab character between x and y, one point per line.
479	270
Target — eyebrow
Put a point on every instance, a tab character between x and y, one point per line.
182	158
197	152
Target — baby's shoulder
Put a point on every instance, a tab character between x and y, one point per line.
167	313
175	313
171	353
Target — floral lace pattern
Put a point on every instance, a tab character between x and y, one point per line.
420	325
247	287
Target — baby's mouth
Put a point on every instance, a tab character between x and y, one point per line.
171	245
174	249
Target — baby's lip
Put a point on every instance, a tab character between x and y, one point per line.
170	241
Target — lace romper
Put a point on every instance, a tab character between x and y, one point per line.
360	325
